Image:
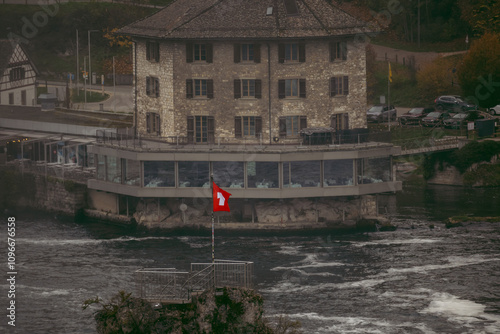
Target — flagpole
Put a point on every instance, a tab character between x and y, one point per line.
389	96
213	220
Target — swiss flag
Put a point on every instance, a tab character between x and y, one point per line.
220	199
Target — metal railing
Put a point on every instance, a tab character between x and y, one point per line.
170	285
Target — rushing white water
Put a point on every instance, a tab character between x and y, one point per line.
413	280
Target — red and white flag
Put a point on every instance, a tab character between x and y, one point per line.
220	199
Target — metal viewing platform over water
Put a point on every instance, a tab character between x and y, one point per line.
169	285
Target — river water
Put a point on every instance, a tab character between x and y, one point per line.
413	280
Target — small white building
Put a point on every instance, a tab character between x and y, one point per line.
17	75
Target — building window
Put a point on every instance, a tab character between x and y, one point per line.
340	121
298	174
338	51
229	174
159	174
23	97
152	86
338	173
339	86
196	52
11	98
290	88
374	170
153	123
246	53
200	129
263	174
247	126
200	88
153	51
292	52
194	174
290	126
247	88
17	73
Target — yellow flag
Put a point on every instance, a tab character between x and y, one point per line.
390	73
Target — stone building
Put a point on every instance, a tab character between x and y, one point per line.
17	75
229	89
210	71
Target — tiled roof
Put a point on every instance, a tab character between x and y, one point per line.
246	19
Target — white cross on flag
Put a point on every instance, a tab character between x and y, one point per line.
220	199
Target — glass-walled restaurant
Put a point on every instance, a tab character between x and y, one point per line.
245	175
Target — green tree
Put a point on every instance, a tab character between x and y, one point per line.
479	73
481	15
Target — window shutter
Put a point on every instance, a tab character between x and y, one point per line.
346	85
148	51
210	53
190	129
346	121
148	122
211	129
210	89
148	86
258	126
157	86
281	53
333	87
333	122
189	88
256	53
158	128
332	51
281	89
303	122
237	88
258	88
237	127
302	52
343	47
282	127
237	52
157	54
189	52
302	88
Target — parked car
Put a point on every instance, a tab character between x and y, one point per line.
381	113
494	110
435	118
460	120
453	102
414	116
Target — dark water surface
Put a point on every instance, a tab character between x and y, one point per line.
413	280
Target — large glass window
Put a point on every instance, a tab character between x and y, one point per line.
194	174
229	174
298	174
113	169
263	174
374	170
338	173
159	174
101	167
132	172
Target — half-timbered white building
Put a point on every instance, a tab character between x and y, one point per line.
17	75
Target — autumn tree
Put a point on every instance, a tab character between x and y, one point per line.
438	78
479	73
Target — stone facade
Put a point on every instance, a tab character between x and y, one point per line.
172	70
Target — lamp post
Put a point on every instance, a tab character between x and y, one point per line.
90	65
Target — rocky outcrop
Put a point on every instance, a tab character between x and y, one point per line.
226	310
